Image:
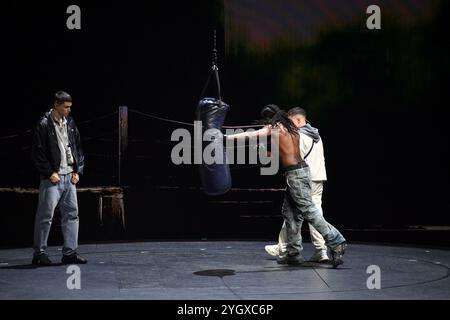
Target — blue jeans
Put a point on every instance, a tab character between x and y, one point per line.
63	195
298	206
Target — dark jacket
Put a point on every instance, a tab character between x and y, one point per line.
45	152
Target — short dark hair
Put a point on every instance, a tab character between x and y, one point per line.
61	97
297	111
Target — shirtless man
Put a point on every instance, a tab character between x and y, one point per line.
311	150
297	205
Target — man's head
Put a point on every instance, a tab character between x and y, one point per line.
62	103
268	112
297	116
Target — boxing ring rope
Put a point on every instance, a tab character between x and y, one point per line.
15	135
29	131
111	196
107	136
98	118
187	123
115	193
232	189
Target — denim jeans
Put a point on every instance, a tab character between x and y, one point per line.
63	195
298	206
316	238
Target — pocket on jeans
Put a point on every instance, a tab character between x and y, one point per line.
293	183
47	183
287	182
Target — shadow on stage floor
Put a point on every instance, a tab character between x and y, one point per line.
226	270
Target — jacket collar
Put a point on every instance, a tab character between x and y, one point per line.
49	117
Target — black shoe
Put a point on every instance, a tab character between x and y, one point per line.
292	260
337	253
73	258
41	260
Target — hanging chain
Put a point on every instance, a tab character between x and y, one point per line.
214	61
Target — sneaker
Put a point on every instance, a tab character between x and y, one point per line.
273	250
73	258
320	256
41	260
337	253
291	260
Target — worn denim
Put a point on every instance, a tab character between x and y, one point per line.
63	195
316	238
298	206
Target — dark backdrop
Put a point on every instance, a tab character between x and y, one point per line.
379	98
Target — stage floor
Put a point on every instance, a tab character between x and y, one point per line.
226	270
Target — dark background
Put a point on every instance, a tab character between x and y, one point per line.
379	98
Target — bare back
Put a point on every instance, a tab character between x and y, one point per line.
289	146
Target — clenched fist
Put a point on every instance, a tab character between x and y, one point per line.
54	178
75	178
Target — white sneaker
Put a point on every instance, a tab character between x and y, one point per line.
273	250
320	256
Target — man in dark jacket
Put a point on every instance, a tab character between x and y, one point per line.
57	155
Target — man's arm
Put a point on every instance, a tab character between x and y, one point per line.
38	152
266	131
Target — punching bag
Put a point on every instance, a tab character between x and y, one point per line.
215	177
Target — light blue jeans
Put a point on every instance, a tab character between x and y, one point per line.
298	206
63	195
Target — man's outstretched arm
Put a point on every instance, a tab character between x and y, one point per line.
266	131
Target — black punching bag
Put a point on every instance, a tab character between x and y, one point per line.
215	177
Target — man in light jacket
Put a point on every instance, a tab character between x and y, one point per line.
311	149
